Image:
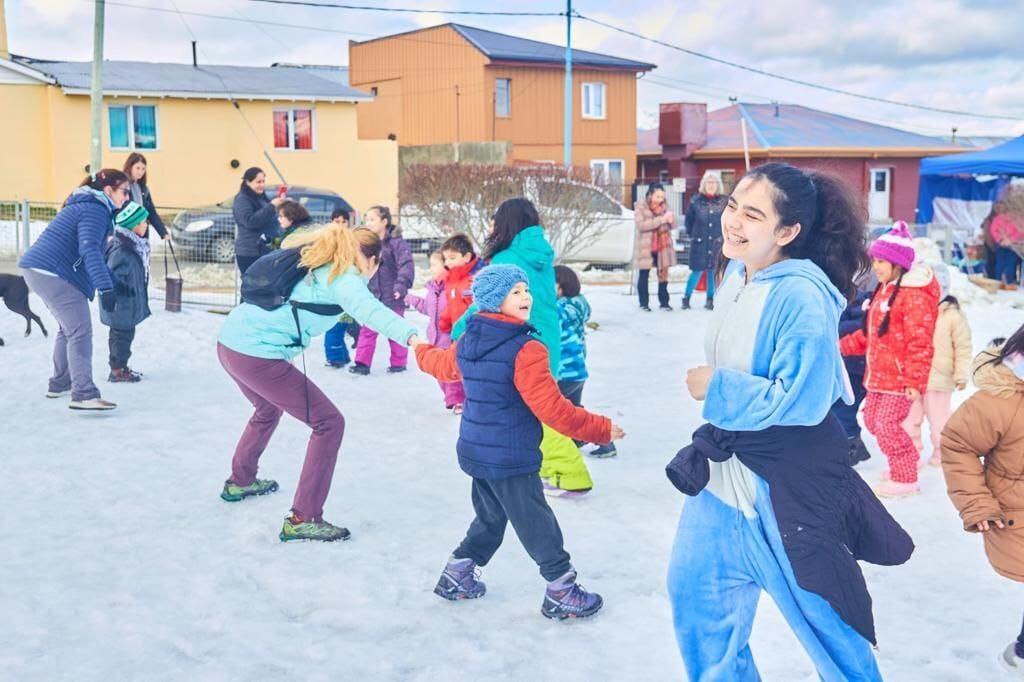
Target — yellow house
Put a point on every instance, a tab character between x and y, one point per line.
199	127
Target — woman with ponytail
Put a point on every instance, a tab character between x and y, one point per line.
256	347
776	506
897	339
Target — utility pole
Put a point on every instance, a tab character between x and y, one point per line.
567	148
96	149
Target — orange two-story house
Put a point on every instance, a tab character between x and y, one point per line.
454	83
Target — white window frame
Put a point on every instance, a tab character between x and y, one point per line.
585	89
497	114
131	127
606	175
291	128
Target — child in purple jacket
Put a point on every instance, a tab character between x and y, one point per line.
433	305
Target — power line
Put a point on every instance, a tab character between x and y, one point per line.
409	10
788	79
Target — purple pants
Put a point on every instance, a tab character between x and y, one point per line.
274	387
368	344
454	393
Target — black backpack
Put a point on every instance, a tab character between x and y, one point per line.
268	284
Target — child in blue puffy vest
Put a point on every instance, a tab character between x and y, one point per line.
510	392
573	315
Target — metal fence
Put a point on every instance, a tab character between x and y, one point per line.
205	256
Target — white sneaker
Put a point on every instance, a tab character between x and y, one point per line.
92	404
58	394
1012	662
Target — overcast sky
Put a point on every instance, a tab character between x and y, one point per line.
951	54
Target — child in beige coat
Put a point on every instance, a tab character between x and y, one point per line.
951	365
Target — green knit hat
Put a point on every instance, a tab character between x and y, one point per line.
130	215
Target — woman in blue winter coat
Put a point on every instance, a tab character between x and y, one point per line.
65	268
255	217
796	242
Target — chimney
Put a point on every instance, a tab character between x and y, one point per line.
683	129
4	52
194	61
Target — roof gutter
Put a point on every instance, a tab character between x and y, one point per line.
220	95
834	152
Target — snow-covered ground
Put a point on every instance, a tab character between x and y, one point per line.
120	561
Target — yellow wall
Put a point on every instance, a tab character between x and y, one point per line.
197	139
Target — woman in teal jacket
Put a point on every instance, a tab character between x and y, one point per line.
518	239
256	347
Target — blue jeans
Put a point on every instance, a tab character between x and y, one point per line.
334	345
1007	262
721	562
691	283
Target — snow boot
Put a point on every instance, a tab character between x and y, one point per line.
892	489
237	493
709	304
123	375
396	370
686	303
360	369
295	528
604	451
564	598
1012	660
97	404
459	581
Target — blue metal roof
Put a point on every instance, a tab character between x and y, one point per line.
185	80
506	48
1003	159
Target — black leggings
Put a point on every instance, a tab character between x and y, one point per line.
642	285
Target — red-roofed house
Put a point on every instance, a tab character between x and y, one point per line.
880	162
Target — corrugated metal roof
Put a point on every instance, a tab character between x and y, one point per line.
503	47
335	74
185	80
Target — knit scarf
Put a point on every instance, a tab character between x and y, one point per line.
661	241
140	244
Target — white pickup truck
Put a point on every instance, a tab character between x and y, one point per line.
613	248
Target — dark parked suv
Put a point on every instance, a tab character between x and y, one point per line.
207	233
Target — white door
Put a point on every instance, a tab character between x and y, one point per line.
878	195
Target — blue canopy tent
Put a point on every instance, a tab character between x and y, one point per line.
952	178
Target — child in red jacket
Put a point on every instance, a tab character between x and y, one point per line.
462	264
897	340
510	392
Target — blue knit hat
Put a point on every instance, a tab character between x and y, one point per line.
492	284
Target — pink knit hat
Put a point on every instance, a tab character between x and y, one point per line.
895	246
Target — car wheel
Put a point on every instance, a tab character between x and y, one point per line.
222	250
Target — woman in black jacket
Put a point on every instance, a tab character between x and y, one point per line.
256	218
703	223
138	191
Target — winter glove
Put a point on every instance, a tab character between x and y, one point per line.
108	300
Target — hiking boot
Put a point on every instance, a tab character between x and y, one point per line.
296	529
237	493
459	581
360	369
97	404
709	304
555	491
396	370
566	599
892	489
1012	660
124	375
686	303
58	394
604	451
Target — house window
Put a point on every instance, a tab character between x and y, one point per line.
608	171
373	91
132	126
503	97
293	129
593	100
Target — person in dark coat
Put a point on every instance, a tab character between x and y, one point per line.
135	167
65	268
256	218
128	260
703	224
850	321
390	285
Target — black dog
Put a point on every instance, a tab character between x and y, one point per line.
14	291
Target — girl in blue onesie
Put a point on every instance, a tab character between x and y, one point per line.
796	244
